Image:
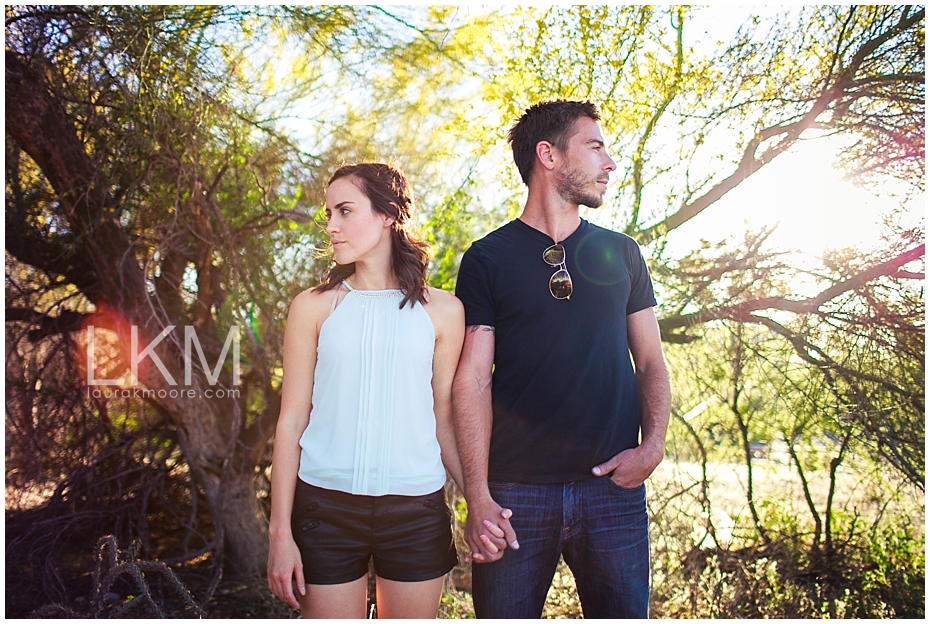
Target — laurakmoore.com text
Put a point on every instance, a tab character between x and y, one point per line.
109	392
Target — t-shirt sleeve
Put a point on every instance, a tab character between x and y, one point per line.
642	295
473	288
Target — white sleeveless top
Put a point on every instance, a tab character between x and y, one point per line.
372	427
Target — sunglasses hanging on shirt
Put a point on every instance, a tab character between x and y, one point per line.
560	284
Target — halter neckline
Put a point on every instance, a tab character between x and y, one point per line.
389	292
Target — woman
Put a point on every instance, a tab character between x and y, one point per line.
365	425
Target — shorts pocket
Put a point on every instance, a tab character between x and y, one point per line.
304	508
438	503
302	518
309	524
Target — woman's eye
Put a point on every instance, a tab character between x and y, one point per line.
344	211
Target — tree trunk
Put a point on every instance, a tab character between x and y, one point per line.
238	520
210	442
208	428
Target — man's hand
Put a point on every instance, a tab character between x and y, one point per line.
284	567
630	468
488	531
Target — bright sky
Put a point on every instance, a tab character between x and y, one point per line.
815	207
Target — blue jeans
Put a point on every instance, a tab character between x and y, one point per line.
600	528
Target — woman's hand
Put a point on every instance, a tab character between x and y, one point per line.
488	531
284	567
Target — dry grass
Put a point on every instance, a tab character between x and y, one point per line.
707	584
693	575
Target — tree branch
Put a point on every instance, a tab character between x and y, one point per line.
40	126
751	162
804	306
65	322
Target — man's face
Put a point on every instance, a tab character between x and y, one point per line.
581	177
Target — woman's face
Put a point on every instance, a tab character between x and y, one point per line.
355	230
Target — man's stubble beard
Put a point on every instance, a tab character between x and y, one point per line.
571	187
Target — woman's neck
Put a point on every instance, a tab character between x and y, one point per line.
370	278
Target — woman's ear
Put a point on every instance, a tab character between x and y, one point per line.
389	221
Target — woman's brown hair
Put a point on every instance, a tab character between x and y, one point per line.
390	194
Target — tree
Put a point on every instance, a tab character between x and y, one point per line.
823	413
136	188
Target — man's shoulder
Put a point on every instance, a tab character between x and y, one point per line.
611	236
617	241
499	235
494	242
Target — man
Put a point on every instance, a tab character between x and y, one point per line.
555	306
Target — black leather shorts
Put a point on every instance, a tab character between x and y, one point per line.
409	537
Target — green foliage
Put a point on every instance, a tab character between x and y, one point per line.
895	582
456	605
450	228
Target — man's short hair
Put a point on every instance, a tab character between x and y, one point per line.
545	121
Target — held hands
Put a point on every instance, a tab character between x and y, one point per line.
488	531
630	468
284	567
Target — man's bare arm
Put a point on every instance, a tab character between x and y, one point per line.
632	467
471	392
487	528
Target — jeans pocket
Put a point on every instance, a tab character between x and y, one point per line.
633	490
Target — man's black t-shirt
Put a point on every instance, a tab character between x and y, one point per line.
563	388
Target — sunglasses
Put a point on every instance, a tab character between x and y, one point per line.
560	284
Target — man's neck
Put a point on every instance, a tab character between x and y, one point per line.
550	214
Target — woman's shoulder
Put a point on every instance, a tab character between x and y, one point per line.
442	298
312	302
443	304
447	314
